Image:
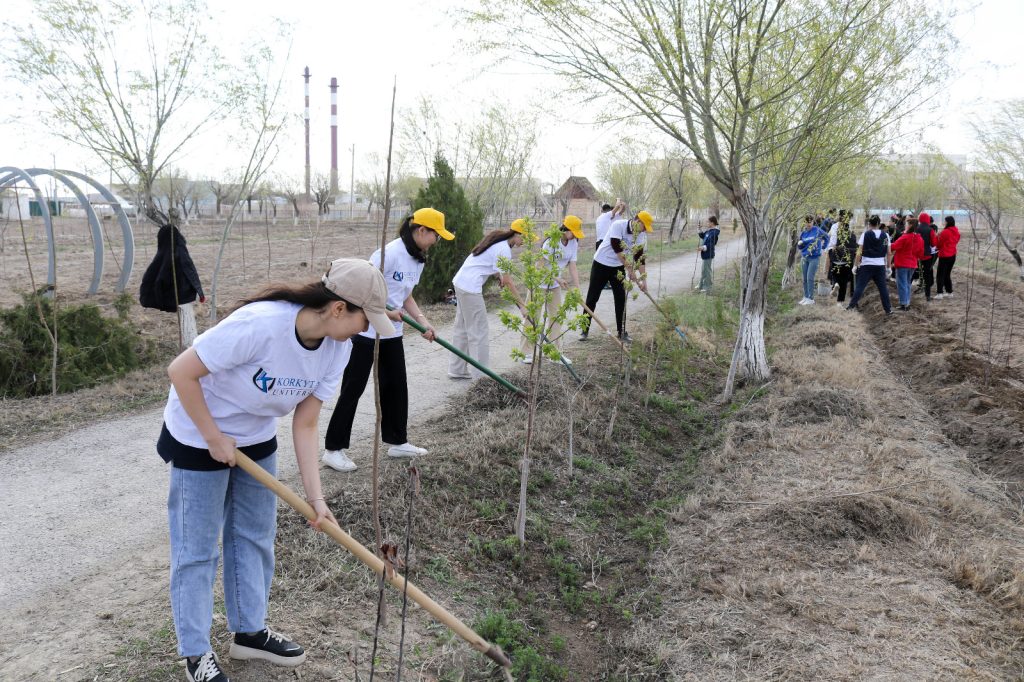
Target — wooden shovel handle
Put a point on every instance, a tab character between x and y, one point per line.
375	564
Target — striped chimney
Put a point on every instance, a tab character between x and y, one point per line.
334	136
305	76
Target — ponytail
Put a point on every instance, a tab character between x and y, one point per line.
311	295
405	234
492	238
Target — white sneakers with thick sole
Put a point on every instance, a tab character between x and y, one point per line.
338	460
406	450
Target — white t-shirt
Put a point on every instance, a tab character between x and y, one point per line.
864	260
833	236
606	255
258	372
401	273
561	253
603	221
475	271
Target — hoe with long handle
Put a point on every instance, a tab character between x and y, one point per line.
375	564
486	370
657	307
601	324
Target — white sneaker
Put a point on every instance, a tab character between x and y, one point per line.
803	301
810	301
527	360
948	295
338	460
406	450
938	296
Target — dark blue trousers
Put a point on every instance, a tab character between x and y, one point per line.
871	273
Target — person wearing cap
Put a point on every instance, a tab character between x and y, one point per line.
621	254
471	328
929	235
561	252
281	350
404	259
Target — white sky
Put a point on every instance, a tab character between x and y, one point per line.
366	44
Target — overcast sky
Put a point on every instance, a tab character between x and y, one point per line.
366	44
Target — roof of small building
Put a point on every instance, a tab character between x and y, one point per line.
577	187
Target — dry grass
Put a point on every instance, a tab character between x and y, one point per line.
786	569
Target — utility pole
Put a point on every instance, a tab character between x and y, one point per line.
305	75
334	137
352	184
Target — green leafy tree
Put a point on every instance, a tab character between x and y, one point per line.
536	270
461	216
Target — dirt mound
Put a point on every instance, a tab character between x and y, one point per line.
855	518
822	339
817	405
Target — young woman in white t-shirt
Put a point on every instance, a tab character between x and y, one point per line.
471	328
562	252
282	350
404	259
620	255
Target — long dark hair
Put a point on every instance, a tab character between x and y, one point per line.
312	295
405	233
492	238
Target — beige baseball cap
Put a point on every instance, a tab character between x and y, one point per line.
361	284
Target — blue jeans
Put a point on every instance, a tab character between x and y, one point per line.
903	276
810	270
200	505
867	274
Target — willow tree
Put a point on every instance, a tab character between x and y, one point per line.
1000	137
768	96
134	83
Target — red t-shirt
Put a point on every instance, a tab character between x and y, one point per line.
907	250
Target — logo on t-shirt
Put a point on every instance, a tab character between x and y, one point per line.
263	381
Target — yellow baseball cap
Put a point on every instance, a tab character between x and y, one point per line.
646	219
575	225
519	226
433	219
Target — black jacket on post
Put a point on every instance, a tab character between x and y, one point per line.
157	288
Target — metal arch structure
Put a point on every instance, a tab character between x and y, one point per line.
63	176
126	227
16	174
90	214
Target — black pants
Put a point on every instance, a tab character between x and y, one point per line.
842	275
876	274
599	276
945	282
394	392
927	268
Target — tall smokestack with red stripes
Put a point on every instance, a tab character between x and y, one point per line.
334	136
305	76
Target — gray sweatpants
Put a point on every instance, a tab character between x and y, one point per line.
705	274
470	335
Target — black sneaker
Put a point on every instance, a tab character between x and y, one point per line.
267	645
583	336
206	669
625	337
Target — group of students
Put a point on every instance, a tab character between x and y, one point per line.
292	347
908	248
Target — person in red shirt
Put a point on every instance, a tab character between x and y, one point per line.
907	250
949	237
931	250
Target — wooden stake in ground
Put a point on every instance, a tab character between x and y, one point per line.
376	359
375	564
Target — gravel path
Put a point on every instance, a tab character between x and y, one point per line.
91	505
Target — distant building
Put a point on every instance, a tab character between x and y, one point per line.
577	196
